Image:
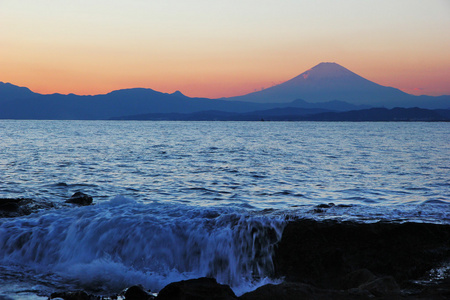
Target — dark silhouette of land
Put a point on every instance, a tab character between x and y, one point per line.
327	88
301	114
331	81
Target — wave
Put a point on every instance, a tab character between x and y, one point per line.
118	243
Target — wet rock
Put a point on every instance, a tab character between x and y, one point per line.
16	207
9	205
12	206
322	253
79	295
437	290
295	291
380	288
198	289
384	286
81	199
137	292
323	205
357	278
321	208
285	291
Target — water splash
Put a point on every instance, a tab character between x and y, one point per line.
119	243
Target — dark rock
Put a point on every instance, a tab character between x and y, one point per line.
321	208
356	278
437	290
16	207
8	205
295	291
81	199
285	291
79	295
323	205
196	289
137	292
323	253
382	286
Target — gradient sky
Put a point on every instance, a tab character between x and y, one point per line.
208	48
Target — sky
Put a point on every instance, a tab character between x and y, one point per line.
207	48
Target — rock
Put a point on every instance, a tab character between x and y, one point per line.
137	292
81	199
322	253
323	205
437	290
295	291
380	288
13	207
198	289
356	278
79	295
16	207
285	291
9	205
384	286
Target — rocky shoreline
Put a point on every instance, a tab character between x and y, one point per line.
319	260
16	207
339	260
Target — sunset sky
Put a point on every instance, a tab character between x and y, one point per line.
207	48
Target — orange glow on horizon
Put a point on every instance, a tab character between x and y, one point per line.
220	49
212	86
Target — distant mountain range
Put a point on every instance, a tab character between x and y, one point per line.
128	102
326	88
300	114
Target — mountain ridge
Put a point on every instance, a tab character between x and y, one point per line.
9	91
330	81
325	86
301	114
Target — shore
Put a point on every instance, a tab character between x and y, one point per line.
341	260
338	260
323	260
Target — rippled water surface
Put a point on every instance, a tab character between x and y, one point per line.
244	164
179	200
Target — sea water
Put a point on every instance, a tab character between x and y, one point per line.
180	200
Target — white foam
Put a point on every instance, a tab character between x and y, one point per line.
121	243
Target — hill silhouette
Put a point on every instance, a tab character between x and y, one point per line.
132	102
326	87
10	92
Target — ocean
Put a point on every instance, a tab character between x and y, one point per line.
181	200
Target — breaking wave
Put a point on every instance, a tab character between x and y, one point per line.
118	243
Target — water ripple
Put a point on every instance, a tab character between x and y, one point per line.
264	165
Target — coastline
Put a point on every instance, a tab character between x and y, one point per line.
321	259
337	260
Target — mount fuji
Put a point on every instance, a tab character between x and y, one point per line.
330	81
325	87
